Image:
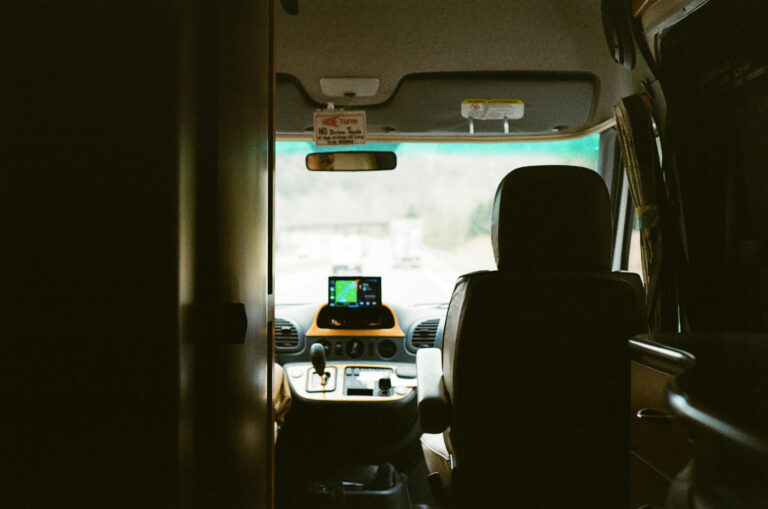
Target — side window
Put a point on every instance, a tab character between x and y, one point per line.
634	261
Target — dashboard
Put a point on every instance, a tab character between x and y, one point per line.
370	347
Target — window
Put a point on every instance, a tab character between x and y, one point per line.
635	263
419	226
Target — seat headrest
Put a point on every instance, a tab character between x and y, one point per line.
552	218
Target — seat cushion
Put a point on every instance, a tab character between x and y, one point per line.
536	367
437	456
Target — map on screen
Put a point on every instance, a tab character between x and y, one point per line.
346	292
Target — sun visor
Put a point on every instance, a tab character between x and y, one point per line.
431	104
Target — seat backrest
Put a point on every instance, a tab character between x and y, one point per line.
535	355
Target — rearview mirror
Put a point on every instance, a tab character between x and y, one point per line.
351	161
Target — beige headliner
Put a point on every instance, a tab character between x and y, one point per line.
387	39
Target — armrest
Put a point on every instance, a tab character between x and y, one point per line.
281	394
434	407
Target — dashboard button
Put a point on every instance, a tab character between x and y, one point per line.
355	348
385	384
387	349
295	372
400	391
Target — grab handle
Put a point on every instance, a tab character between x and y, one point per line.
652	414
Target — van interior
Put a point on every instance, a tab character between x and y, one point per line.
385	254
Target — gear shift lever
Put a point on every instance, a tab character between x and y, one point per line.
317	356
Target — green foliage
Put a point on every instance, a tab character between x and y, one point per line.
450	186
480	219
443	229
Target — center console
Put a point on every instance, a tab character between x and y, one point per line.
363	354
352	381
362	487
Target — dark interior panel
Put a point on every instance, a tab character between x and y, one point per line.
98	224
89	296
717	120
226	418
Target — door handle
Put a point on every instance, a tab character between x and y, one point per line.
652	414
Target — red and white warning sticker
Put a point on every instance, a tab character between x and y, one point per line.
492	109
340	128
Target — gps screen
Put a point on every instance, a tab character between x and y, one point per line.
354	292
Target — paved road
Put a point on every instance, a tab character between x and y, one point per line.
305	279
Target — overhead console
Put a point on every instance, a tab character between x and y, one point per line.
443	92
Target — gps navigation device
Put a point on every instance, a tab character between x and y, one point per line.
354	292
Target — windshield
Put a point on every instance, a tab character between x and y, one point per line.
419	226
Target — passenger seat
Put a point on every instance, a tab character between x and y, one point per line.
531	390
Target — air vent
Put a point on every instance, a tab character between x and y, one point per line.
424	334
286	336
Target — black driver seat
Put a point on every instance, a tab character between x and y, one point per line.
535	360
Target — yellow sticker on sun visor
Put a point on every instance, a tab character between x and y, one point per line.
492	109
